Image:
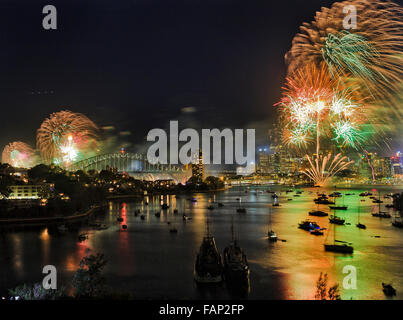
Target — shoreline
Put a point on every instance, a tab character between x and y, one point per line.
45	220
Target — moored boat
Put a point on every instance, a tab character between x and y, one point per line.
382	215
336	220
340	248
338	207
308	225
272	236
388	290
360	225
316	232
208	266
236	268
337	245
318	213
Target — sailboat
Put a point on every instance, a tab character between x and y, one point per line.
360	225
208	265
335	219
336	207
318	213
381	214
275	202
338	245
271	234
397	223
240	209
236	268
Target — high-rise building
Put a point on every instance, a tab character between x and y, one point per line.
263	160
198	167
386	167
396	162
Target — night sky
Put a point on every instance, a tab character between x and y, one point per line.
136	64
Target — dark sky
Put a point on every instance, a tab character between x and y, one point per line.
135	64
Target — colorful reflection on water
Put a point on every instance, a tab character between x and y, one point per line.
149	261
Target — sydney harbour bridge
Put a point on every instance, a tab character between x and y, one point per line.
134	164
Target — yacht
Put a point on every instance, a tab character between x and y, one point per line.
360	225
271	234
308	225
336	220
338	246
318	213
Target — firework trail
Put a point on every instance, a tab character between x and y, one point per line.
18	154
66	137
369	55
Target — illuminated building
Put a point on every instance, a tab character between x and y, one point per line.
198	167
264	161
396	162
25	192
387	167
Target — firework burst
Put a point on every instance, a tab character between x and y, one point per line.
315	106
66	137
370	55
18	154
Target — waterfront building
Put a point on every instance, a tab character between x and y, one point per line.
25	192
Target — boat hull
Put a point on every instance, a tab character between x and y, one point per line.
338	248
207	278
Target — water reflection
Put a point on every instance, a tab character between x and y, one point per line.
149	261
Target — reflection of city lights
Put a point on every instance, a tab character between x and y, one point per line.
44	235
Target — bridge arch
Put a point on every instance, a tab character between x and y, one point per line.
135	164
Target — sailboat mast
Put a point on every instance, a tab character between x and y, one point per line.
379	202
334	234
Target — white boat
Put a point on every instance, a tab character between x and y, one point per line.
272	235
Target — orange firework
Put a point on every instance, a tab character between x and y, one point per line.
18	154
369	53
66	137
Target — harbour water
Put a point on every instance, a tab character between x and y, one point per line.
148	261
